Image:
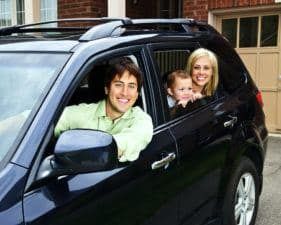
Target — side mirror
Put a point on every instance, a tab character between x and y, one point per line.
80	151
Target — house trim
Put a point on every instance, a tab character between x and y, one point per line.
214	14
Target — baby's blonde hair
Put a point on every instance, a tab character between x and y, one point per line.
177	73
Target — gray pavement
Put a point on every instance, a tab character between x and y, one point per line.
270	201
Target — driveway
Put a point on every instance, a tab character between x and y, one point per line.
270	201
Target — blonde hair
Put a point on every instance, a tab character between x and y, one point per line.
211	86
177	73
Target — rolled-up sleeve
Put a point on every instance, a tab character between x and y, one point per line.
63	123
72	117
131	140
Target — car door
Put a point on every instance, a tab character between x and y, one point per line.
203	142
201	137
141	192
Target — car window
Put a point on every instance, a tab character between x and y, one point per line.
170	61
24	80
167	62
91	88
231	69
232	73
102	97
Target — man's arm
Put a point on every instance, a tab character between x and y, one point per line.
131	140
70	118
63	123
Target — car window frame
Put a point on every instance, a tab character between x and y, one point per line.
74	84
223	50
165	46
100	57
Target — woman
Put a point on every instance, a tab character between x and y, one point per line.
202	64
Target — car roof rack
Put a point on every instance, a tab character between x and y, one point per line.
107	27
190	26
35	27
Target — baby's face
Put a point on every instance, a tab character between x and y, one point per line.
182	89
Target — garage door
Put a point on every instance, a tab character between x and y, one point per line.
256	38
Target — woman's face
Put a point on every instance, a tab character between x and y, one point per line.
202	72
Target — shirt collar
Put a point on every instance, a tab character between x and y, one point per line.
127	114
171	101
101	112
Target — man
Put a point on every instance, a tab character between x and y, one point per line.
130	126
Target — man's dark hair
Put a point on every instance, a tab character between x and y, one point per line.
119	66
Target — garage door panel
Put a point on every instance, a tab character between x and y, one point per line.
250	60
263	66
270	100
268	70
279	111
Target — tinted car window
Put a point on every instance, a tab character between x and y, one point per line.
231	69
170	60
24	78
231	78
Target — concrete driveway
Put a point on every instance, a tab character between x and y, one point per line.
270	201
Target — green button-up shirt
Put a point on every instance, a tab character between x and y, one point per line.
132	131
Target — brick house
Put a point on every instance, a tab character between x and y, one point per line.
252	26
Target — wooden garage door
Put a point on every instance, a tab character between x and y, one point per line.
257	40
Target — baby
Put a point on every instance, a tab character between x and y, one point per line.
179	88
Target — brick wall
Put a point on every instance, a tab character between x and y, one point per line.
143	9
81	8
219	4
198	9
98	8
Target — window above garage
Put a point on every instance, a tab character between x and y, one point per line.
255	31
17	12
48	10
11	12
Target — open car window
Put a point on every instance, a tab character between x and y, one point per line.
91	88
172	60
103	101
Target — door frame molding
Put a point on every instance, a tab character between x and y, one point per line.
215	15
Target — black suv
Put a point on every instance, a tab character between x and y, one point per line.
204	166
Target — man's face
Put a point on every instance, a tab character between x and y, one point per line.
121	94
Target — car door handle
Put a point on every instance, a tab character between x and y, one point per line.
230	123
164	162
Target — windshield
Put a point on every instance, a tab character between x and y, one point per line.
24	78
